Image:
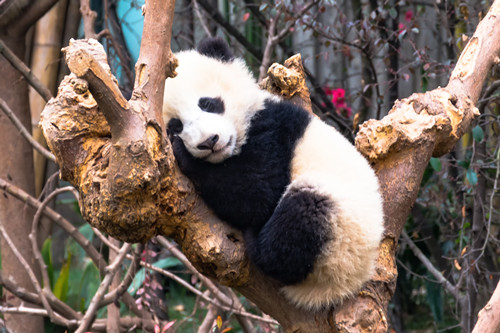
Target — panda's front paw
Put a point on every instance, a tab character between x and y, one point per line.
184	159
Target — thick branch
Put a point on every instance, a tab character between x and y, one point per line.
489	317
89	63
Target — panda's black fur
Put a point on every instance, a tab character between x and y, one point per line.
295	227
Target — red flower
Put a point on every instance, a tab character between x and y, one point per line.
408	15
338	97
401	28
338	100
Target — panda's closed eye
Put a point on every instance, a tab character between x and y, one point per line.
212	105
174	126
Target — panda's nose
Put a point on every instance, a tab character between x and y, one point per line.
209	143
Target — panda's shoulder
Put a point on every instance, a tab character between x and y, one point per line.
281	116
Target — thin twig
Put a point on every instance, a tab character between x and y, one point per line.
27	268
88	17
25	71
485	98
61	221
492	196
127	280
201	19
96	300
24	132
34	298
34	235
286	30
207	282
430	267
57	319
190	287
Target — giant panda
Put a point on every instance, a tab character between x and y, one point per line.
307	203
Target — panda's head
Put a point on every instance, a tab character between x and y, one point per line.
210	103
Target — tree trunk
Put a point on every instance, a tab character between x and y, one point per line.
16	164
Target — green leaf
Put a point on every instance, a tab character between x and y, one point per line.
471	177
62	283
47	258
393	12
141	274
436	164
463	164
478	133
435	299
89	283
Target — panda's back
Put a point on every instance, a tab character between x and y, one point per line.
255	179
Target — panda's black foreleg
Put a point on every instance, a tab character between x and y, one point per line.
288	245
187	163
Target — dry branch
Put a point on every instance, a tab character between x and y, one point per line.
114	151
25	71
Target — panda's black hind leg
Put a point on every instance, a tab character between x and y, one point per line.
289	243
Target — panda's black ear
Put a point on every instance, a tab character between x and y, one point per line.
216	47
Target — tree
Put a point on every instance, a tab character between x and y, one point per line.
115	153
136	173
14	216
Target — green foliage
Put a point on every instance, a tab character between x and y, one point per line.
87	285
141	274
434	293
47	257
478	133
435	164
62	283
471	177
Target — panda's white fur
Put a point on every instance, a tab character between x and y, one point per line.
357	220
334	236
200	76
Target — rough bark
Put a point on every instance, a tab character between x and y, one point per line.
115	152
16	163
489	317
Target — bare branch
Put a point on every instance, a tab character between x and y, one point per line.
34	11
28	270
94	255
106	282
88	16
34	236
56	318
480	53
27	296
24	132
430	267
25	71
127	280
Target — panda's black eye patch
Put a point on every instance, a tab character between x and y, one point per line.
174	126
212	105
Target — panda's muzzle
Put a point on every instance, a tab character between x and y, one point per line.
209	143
